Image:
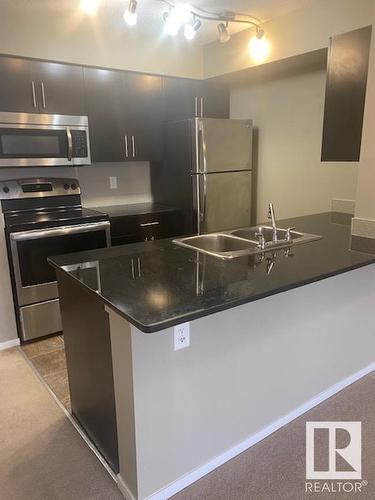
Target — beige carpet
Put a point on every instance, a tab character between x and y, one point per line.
274	469
42	457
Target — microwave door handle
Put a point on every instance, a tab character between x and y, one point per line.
36	234
70	143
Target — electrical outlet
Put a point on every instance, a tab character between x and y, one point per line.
113	182
181	336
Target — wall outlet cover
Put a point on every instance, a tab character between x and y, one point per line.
181	336
113	182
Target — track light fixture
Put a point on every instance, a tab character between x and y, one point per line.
130	15
191	29
175	18
191	18
224	35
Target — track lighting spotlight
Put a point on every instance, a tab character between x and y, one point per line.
130	15
259	47
191	29
175	18
224	36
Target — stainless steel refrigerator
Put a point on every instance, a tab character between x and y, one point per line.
208	172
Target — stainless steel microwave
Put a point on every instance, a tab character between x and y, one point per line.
30	139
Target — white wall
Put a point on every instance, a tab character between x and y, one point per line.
59	31
365	198
296	33
288	114
133	184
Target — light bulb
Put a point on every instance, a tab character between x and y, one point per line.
191	29
259	47
224	36
175	18
130	15
89	7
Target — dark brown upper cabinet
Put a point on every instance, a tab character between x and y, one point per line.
348	59
60	88
103	96
40	87
143	103
194	98
17	90
125	113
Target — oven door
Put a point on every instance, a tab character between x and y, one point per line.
24	145
35	279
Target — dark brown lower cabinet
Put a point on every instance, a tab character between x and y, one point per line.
348	59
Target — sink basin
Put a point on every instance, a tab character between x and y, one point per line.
249	233
239	242
219	244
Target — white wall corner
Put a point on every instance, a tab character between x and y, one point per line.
8	344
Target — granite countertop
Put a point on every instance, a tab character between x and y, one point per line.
156	285
134	209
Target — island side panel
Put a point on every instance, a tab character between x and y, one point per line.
89	362
121	341
246	368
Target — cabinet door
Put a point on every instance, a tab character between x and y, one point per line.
103	94
189	98
60	88
181	98
345	95
215	100
144	116
16	87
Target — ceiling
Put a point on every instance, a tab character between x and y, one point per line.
150	12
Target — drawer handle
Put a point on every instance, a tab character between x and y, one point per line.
145	224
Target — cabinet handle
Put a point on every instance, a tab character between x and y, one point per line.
196	114
33	93
43	95
133	145
202	107
126	146
145	224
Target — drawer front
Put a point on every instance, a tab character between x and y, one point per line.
146	227
38	320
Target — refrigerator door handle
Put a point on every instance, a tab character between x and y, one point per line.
204	198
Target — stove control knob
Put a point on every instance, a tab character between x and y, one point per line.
6	189
66	187
74	186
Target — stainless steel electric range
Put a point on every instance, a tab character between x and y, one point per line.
44	217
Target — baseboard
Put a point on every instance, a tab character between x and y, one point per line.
124	489
9	343
343	206
200	472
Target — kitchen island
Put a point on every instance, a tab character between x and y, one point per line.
270	336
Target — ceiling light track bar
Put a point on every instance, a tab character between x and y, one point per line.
226	17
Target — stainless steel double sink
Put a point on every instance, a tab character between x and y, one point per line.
245	241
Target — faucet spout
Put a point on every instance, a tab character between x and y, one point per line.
271	215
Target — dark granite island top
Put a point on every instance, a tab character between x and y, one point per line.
156	285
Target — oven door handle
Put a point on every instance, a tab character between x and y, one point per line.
36	234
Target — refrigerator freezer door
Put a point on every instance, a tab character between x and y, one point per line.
224	201
223	145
